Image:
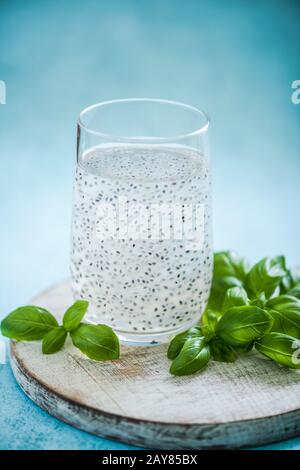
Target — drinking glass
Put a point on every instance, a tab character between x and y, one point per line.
141	224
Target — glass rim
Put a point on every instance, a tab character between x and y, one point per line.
135	139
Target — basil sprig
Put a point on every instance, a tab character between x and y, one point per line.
28	323
258	306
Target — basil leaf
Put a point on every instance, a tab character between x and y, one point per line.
240	325
285	311
210	317
209	320
179	340
281	348
54	340
295	291
259	301
221	351
229	271
208	331
295	273
194	355
229	264
28	323
287	280
235	297
264	277
98	342
75	314
280	259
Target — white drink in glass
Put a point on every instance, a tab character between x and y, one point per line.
146	288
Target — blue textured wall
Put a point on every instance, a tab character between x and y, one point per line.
236	59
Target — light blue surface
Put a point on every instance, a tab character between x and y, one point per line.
235	59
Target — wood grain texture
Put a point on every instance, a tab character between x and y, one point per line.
136	400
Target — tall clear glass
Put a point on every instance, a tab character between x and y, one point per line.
142	224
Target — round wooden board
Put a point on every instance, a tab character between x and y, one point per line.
136	400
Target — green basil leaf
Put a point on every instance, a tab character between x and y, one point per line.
290	281
28	323
194	355
178	341
75	314
221	351
235	297
295	273
98	342
286	282
210	316
264	277
208	331
229	264
295	291
259	301
240	325
54	340
209	320
285	311
281	348
229	271
280	259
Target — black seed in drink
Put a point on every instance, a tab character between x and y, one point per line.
125	265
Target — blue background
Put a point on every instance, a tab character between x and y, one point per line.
236	59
